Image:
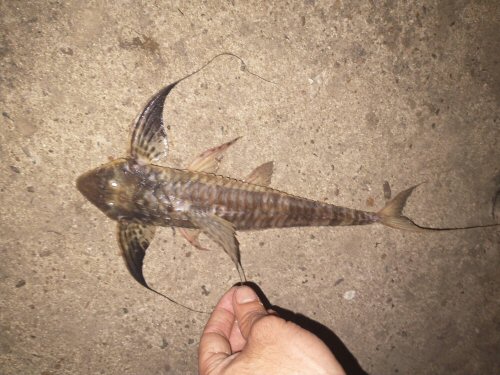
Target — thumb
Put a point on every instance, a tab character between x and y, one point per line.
248	309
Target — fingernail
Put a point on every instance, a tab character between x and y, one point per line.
245	294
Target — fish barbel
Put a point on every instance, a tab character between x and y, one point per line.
141	195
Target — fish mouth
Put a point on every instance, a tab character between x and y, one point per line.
88	185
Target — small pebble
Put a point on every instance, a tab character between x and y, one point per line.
349	295
30	189
339	281
20	283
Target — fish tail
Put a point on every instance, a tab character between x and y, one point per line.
392	214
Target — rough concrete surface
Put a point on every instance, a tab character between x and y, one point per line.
363	92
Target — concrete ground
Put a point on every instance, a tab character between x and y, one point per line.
362	93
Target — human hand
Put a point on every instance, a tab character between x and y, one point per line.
241	337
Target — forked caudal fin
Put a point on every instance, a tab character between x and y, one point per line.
392	215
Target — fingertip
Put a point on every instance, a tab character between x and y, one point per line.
214	343
226	301
247	309
245	294
272	312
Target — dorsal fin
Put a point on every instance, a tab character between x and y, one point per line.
261	175
208	161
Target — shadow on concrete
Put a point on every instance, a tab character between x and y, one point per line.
337	347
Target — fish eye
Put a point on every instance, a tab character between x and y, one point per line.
110	204
113	183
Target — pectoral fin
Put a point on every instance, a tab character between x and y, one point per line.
148	139
134	240
208	161
222	232
261	175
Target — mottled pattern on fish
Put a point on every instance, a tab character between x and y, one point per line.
140	195
165	196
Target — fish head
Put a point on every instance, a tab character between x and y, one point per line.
110	188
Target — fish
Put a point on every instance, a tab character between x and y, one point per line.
141	195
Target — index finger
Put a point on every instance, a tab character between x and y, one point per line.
214	342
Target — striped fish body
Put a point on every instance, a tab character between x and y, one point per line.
141	195
163	196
